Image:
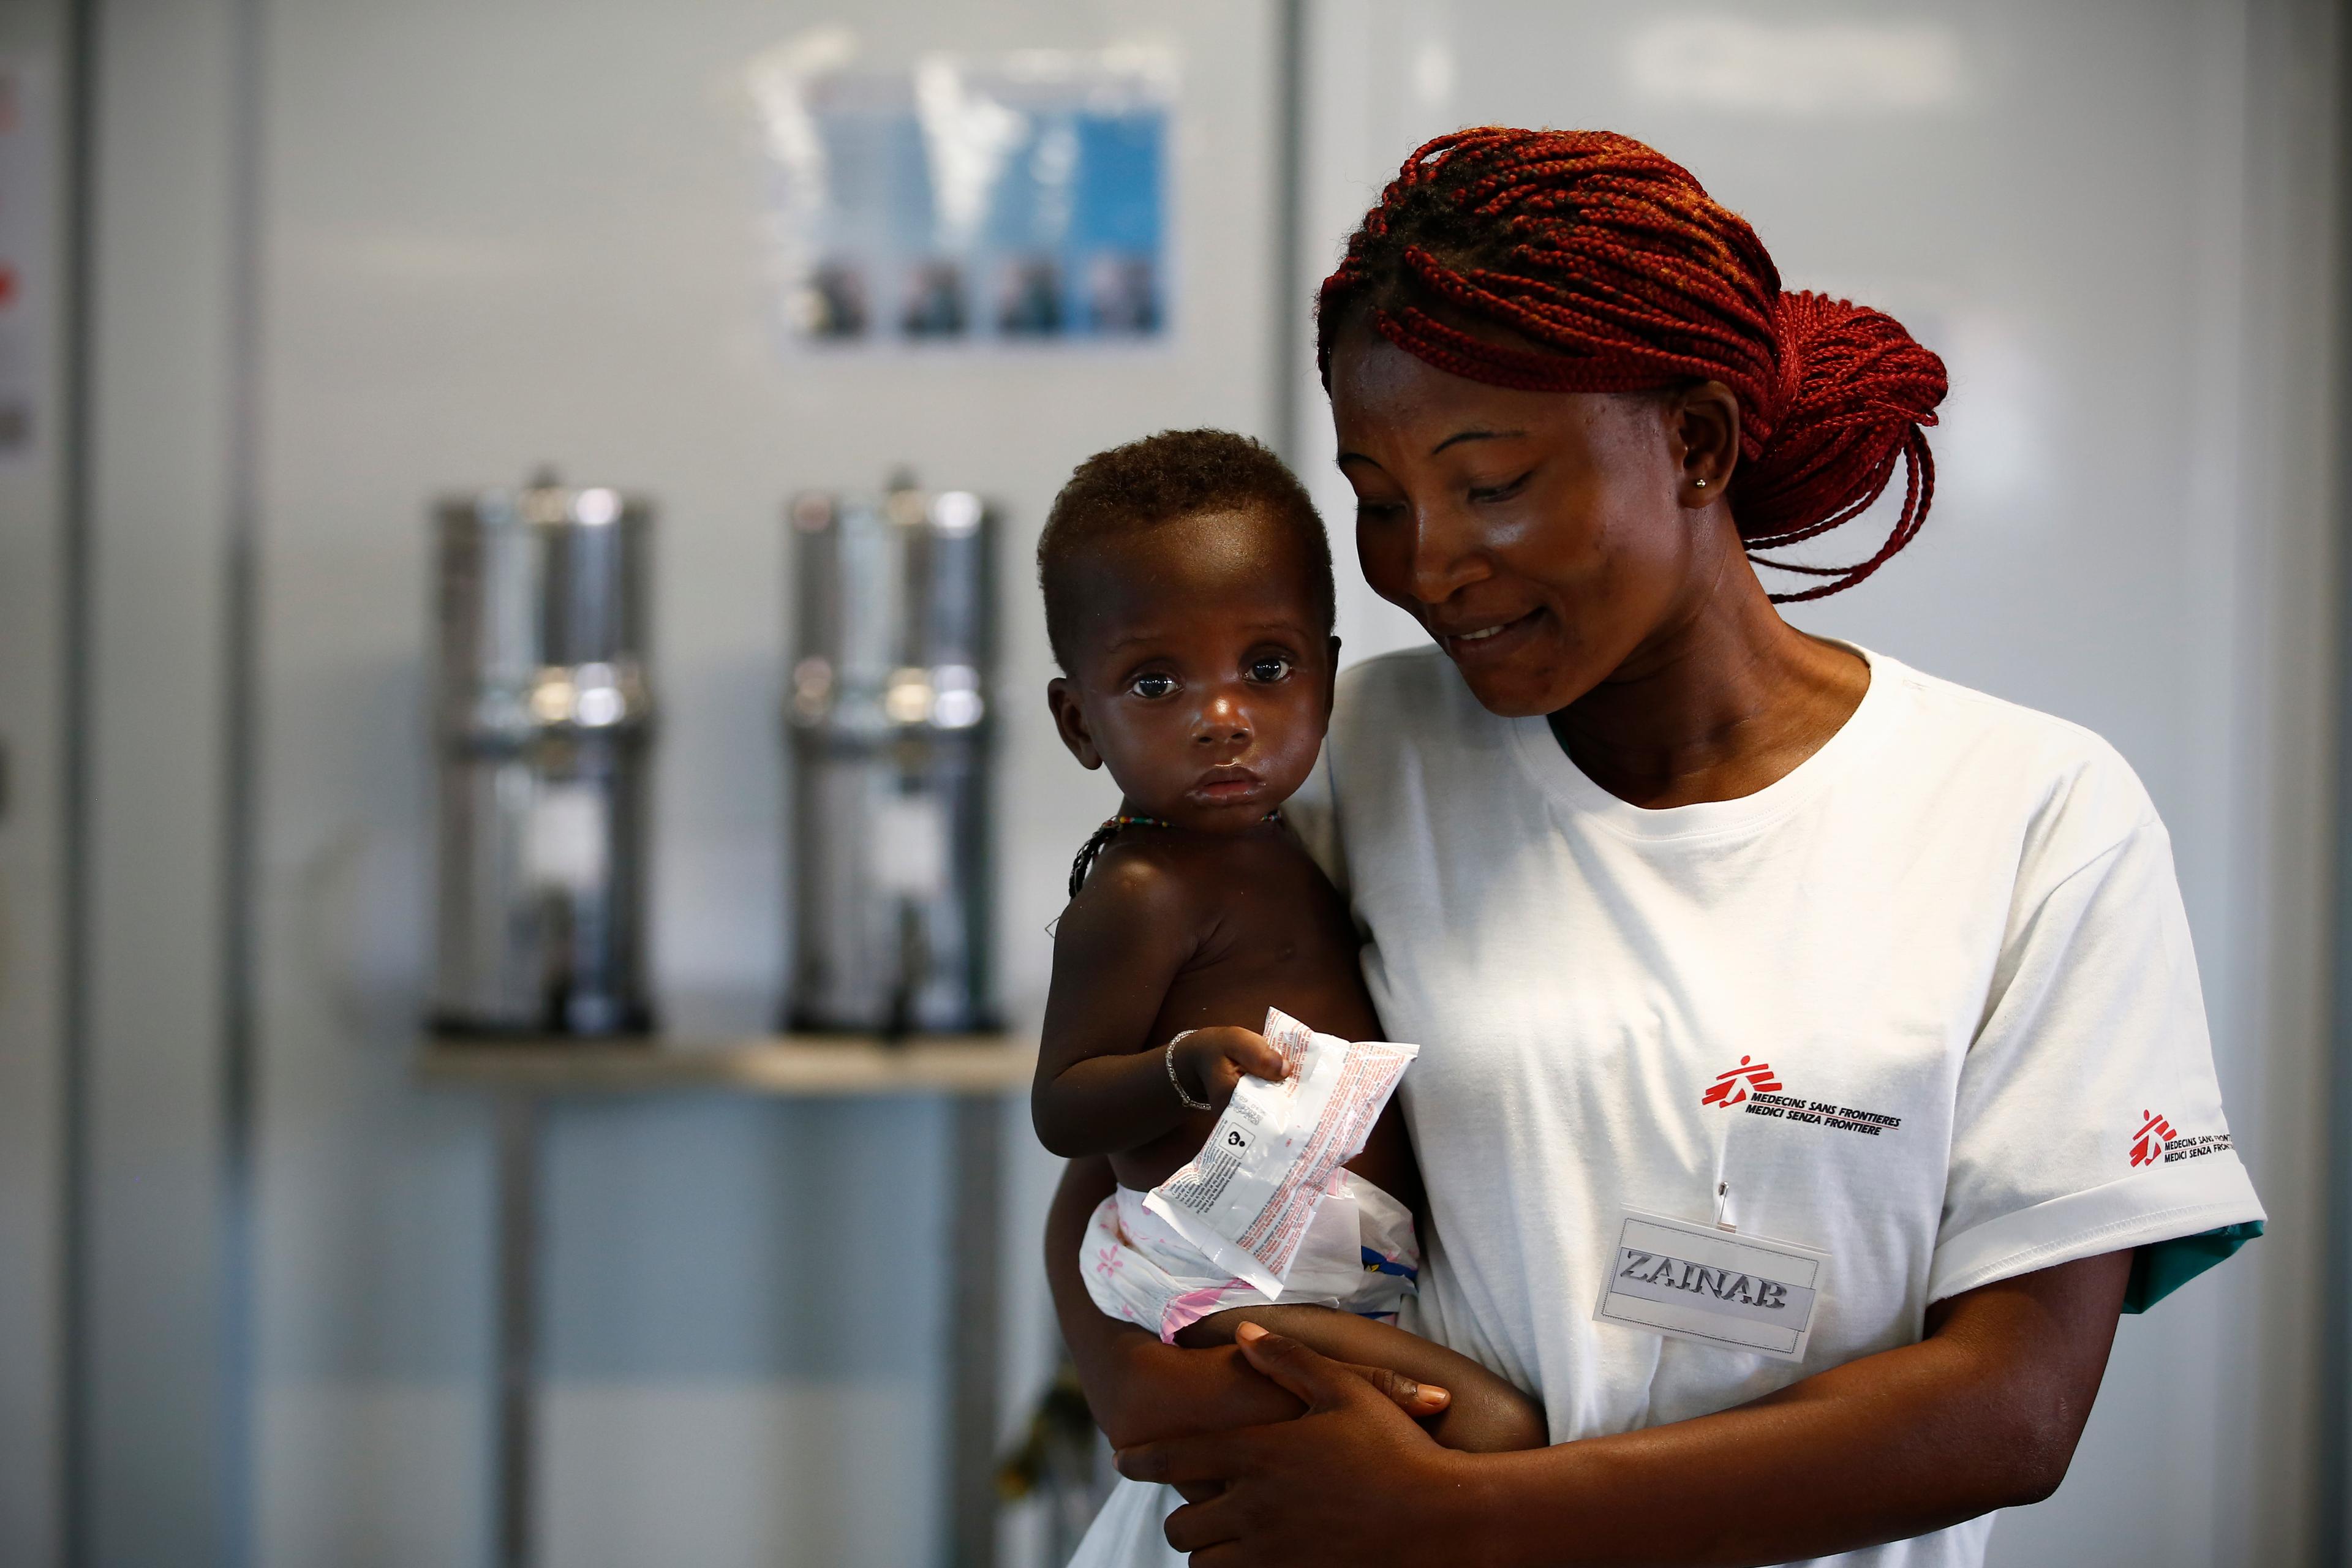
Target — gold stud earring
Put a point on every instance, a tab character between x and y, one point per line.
1699	483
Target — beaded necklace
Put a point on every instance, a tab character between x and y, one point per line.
1110	830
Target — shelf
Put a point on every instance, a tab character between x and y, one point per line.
805	1064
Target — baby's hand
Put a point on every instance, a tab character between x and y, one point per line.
1210	1062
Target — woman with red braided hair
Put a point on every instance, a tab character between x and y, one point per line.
1812	1059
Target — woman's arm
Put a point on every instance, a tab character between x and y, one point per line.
1141	1390
1487	1415
1984	1412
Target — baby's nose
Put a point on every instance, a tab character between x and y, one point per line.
1222	722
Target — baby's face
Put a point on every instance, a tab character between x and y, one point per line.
1202	669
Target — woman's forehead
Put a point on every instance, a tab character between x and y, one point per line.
1388	405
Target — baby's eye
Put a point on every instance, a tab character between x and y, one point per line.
1151	685
1271	668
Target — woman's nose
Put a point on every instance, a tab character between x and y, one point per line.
1447	555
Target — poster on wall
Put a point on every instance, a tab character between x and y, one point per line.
26	223
1013	200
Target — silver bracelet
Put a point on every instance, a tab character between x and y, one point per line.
1182	1092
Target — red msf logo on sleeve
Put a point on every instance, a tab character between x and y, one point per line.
2147	1143
1731	1088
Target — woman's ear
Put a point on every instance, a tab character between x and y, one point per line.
1703	425
1070	722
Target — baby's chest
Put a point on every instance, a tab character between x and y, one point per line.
1268	956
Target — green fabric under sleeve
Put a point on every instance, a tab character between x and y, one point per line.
2163	1266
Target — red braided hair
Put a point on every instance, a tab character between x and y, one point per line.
1609	269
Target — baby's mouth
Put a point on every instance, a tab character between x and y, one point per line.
1227	786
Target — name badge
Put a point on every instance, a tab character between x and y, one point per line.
1700	1282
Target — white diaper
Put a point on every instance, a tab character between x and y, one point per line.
1358	1255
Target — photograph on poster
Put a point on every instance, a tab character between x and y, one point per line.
1017	200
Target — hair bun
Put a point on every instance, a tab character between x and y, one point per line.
1854	393
1583	261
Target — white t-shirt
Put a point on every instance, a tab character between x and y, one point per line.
1953	934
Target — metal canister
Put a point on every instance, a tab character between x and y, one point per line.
887	715
544	722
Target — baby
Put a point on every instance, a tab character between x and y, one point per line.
1189	602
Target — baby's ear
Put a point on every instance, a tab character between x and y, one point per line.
1070	722
1331	677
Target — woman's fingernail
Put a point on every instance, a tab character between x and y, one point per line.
1249	1333
1430	1393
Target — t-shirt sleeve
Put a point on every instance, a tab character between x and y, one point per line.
2088	1117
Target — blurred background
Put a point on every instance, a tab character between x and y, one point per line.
281	1283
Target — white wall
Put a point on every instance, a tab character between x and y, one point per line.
498	234
2114	218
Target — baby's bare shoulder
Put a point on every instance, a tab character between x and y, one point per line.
1139	878
1195	880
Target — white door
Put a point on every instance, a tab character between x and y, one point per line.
2098	212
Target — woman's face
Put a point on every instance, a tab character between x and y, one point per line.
1545	540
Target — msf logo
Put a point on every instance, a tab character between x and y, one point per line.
1732	1088
2147	1143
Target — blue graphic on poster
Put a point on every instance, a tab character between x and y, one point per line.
1018	200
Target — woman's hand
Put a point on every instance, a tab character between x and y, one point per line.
1353	1480
1982	1414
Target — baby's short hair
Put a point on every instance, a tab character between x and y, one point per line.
1131	489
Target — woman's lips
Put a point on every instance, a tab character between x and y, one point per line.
1483	645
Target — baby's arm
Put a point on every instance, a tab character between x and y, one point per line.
1102	1080
1487	1415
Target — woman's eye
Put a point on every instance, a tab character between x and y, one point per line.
1152	685
1271	668
1497	492
1378	509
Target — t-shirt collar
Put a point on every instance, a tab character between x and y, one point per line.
1558	775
